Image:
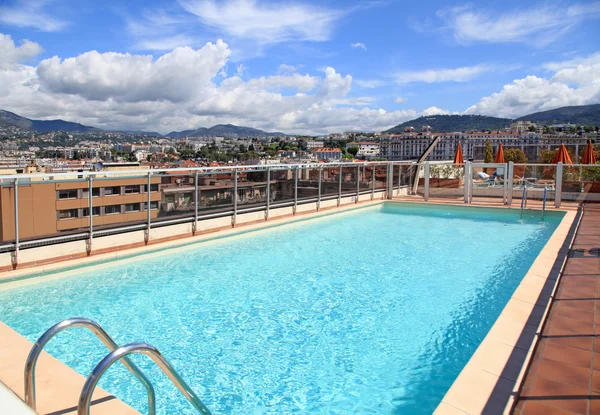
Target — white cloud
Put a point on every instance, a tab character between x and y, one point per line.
400	100
463	74
10	53
265	23
577	82
176	76
359	45
539	25
284	68
573	63
434	111
370	83
182	90
30	13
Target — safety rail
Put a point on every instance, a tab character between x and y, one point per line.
95	328
544	202
524	200
92	228
83	407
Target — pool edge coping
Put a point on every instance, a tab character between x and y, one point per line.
472	390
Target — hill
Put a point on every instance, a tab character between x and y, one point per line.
43	126
579	115
224	130
454	123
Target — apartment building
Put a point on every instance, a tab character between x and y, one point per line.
327	153
410	146
314	144
366	149
50	208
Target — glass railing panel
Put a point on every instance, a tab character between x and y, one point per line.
308	183
330	181
446	180
581	183
350	176
282	185
252	188
536	177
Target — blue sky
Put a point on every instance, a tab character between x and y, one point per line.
303	67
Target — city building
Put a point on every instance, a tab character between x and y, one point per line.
50	208
327	153
366	149
313	144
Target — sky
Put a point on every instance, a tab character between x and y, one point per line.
299	67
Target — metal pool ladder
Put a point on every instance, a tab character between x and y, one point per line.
116	353
524	200
544	203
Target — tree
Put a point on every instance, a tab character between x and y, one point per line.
131	156
353	150
488	156
348	156
516	155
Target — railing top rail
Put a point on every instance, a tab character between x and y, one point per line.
95	328
220	169
83	407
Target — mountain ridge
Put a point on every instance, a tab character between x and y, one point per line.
223	130
574	114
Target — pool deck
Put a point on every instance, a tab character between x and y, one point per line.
564	375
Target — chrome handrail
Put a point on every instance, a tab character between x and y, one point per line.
544	204
83	408
523	200
95	328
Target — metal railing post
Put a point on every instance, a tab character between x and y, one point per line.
558	186
15	257
372	181
295	190
196	199
339	201
510	176
467	180
319	192
235	197
268	193
357	183
426	187
505	184
399	178
91	212
389	180
148	208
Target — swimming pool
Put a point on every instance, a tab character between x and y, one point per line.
371	311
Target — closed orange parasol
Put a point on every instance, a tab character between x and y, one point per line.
458	156
562	156
589	157
500	155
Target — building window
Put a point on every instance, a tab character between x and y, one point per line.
67	214
85	193
67	194
132	189
153	205
153	188
132	207
85	212
112	210
114	190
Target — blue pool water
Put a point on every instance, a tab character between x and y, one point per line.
370	312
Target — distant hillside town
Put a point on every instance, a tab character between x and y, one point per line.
23	148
